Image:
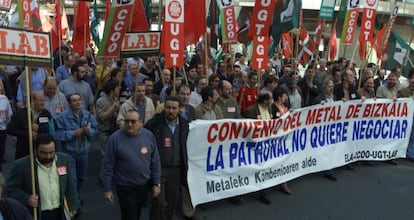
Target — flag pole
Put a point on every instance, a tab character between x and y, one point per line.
206	54
295	56
173	93
159	14
407	52
185	76
59	35
30	133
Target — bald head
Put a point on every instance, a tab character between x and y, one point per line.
50	86
38	100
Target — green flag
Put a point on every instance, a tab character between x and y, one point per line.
95	25
148	10
399	54
342	9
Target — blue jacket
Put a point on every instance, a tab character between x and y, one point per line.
67	123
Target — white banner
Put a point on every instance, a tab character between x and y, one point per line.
24	47
141	44
234	157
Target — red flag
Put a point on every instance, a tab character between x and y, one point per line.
195	25
378	40
139	20
287	45
81	30
107	9
57	26
333	44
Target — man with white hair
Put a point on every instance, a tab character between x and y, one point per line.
133	75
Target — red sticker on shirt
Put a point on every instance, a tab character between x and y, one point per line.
58	108
62	170
167	142
144	150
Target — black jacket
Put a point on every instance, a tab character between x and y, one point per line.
339	92
158	126
18	126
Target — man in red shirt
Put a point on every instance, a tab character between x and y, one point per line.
247	94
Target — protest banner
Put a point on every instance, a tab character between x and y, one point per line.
233	157
141	44
118	22
5	5
23	47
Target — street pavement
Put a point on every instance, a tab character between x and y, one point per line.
379	191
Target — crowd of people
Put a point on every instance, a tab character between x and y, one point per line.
139	114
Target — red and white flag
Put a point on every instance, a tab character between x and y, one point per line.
307	46
173	33
260	52
287	45
367	26
228	21
318	34
115	28
262	17
350	22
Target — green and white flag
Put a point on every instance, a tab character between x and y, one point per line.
399	54
289	17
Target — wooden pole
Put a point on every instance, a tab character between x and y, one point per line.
59	36
185	77
407	52
206	47
295	67
173	93
29	121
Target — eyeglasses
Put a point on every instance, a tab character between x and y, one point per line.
128	121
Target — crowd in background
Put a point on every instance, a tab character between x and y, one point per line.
86	96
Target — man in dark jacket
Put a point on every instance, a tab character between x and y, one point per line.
53	181
42	123
171	132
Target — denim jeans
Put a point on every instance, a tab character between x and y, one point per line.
78	162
